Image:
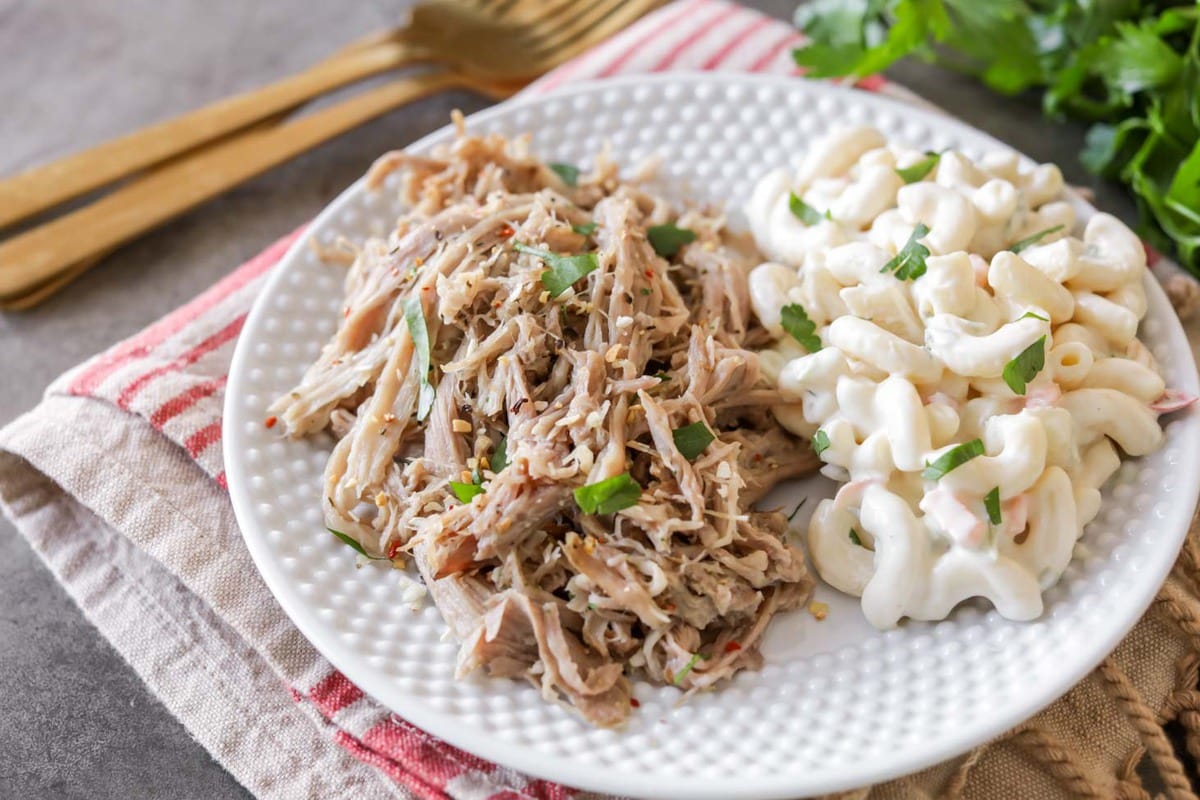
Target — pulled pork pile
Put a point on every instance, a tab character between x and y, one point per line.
541	393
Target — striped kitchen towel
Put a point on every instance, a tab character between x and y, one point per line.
105	478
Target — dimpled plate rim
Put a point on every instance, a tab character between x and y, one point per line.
743	720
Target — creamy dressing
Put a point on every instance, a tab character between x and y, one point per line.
1009	355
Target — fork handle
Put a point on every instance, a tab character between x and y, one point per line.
34	257
44	187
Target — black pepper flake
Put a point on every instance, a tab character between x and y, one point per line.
516	408
437	235
629	298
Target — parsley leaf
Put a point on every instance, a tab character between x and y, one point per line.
796	510
562	271
794	319
352	542
1030	241
414	317
919	170
585	230
820	442
499	459
465	492
683	673
991	502
854	537
568	172
1028	363
952	459
1031	315
667	239
909	263
691	440
609	495
803	211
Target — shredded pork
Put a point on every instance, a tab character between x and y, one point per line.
592	384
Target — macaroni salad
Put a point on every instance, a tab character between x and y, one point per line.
968	368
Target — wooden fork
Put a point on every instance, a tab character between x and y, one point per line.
494	50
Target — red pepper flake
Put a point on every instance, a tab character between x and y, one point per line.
649	273
270	421
346	311
757	457
633	701
506	232
732	647
393	549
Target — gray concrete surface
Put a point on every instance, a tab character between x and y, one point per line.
75	722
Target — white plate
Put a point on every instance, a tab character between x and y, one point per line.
838	704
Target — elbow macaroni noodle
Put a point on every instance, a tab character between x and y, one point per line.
912	369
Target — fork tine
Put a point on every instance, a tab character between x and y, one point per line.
590	25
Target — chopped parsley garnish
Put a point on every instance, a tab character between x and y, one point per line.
609	495
692	439
414	317
465	492
499	459
644	291
662	376
909	263
568	172
991	502
1030	241
803	211
854	537
1022	369
585	230
794	319
1031	315
796	510
349	540
920	169
667	239
683	673
562	271
820	442
952	459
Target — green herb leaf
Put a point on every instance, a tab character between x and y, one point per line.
662	376
1031	315
465	491
644	291
1138	59
609	495
1022	369
803	211
919	170
952	459
854	537
909	263
794	319
991	502
499	459
683	673
352	542
585	230
414	317
568	172
691	440
667	239
796	510
820	442
563	271
1030	241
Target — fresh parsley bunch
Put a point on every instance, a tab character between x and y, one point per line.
1130	67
